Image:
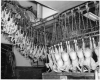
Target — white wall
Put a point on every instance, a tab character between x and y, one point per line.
21	61
48	12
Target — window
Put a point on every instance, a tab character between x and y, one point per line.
47	12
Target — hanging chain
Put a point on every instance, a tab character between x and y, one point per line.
75	22
96	11
63	27
81	12
52	34
45	36
79	17
31	33
60	28
66	17
72	18
91	27
68	25
87	9
56	36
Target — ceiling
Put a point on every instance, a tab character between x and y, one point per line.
60	6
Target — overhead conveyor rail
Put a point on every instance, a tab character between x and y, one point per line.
77	12
47	21
54	31
55	16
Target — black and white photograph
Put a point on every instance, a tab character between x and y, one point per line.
56	40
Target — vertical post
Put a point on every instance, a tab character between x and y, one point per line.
96	13
45	47
55	31
39	11
72	20
37	37
87	9
66	32
55	22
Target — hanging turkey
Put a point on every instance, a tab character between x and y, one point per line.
65	56
58	56
73	56
80	55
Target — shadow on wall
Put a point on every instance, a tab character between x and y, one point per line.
21	61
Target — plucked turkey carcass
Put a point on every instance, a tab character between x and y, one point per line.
93	60
41	52
80	55
15	37
26	49
89	62
18	37
37	55
34	51
58	58
50	64
55	67
87	53
44	55
4	19
8	23
31	50
52	60
28	46
47	65
11	26
73	56
65	57
23	45
97	50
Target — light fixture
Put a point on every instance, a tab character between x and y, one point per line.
91	16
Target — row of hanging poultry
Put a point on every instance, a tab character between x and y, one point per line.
74	59
19	38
